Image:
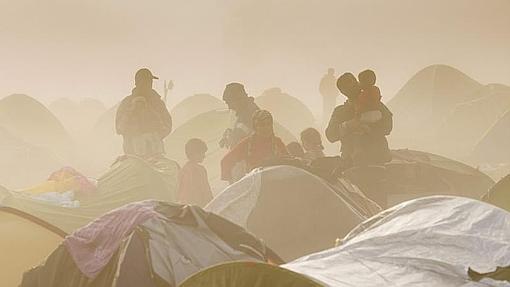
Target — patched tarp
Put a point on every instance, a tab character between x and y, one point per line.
128	180
292	210
431	241
146	243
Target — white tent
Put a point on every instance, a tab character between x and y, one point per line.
431	241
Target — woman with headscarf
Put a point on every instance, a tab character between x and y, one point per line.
261	147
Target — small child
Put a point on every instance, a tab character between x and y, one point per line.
194	185
369	100
312	144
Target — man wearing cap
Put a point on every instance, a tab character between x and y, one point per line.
238	101
143	119
346	127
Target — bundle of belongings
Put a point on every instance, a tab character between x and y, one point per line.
148	243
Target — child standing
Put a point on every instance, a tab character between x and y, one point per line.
194	185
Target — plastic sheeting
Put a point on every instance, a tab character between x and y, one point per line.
430	241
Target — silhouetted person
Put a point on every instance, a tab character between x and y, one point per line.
194	185
329	93
143	119
296	150
312	143
238	101
345	126
256	150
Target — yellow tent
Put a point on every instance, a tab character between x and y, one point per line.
25	242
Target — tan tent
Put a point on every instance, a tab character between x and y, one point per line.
292	210
412	174
193	106
499	194
287	109
24	242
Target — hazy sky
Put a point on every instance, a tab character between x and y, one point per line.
68	48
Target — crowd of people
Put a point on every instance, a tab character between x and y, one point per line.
360	125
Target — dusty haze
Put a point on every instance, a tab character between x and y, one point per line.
55	48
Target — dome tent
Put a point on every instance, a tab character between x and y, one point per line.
147	243
292	210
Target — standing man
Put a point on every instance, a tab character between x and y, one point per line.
143	119
244	107
329	93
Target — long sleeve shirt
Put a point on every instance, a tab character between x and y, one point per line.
194	185
374	140
254	150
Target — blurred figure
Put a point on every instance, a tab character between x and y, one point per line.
238	101
296	150
312	143
261	147
329	93
194	185
361	143
143	119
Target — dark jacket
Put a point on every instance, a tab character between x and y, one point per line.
134	120
373	144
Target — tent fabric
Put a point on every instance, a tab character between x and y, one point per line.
166	243
499	194
248	274
107	232
412	174
24	242
128	180
430	241
292	210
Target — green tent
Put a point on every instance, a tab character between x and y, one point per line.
128	180
248	274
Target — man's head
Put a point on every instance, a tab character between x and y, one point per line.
144	78
263	123
311	139
348	85
234	96
195	150
367	78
